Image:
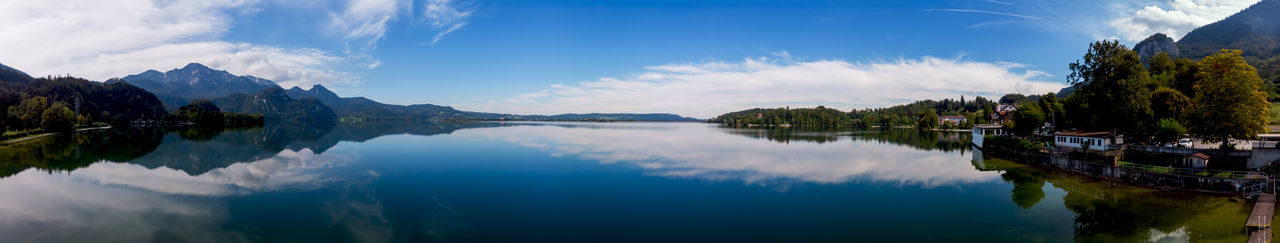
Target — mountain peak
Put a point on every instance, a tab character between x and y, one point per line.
195	66
1154	45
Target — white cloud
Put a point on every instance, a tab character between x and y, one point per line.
104	39
707	89
1174	18
445	16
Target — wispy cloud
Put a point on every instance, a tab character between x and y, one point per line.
445	16
1174	18
363	19
1000	2
707	89
985	12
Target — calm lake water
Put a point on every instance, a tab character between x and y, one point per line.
377	182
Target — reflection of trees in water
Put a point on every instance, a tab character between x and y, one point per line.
1106	213
1027	187
919	139
197	149
70	152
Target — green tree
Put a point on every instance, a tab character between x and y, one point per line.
1161	64
928	119
1169	103
1228	103
28	112
58	118
1027	119
202	112
1112	90
1169	131
1184	78
1052	108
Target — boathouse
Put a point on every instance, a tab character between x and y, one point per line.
1097	141
982	131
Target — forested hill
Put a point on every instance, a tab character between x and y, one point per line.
52	102
1254	30
900	115
276	106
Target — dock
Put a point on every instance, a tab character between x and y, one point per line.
1259	224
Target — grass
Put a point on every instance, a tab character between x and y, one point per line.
1275	113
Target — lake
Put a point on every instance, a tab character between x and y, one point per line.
378	182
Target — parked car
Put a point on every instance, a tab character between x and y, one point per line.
1184	143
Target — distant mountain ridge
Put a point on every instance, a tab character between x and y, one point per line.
178	87
249	94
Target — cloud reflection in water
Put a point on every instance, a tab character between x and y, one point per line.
707	152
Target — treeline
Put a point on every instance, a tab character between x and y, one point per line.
924	113
205	113
60	104
1217	99
820	116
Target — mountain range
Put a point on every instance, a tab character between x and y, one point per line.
1255	30
249	94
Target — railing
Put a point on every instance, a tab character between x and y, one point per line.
1194	172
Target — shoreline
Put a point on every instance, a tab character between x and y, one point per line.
47	134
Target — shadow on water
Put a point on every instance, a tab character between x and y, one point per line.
1107	212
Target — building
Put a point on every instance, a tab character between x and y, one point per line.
952	119
1080	140
1197	160
1003	114
982	131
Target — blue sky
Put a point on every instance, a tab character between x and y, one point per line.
694	58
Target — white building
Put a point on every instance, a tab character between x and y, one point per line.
1079	140
981	131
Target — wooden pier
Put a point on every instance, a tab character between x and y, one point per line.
1259	224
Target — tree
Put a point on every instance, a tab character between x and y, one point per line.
1161	64
202	112
1184	78
1111	89
29	111
1027	119
58	118
1169	103
1053	110
928	119
1228	103
1169	131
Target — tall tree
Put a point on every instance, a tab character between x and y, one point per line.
1169	103
1027	119
1111	89
1228	103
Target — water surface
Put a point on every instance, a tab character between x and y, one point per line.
378	182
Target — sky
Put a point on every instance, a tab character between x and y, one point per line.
692	58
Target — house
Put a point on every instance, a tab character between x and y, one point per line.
981	131
1003	114
1080	140
952	119
1197	160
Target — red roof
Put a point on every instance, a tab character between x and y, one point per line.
1200	155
